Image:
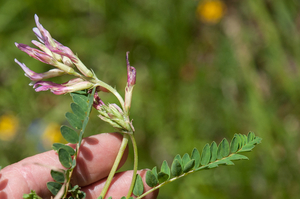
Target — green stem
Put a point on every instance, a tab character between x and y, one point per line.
115	166
164	183
135	165
112	90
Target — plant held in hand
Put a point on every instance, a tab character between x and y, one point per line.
84	88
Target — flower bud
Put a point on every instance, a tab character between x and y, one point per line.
131	73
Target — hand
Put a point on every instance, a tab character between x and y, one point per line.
96	157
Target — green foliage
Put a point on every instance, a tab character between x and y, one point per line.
64	158
151	179
211	157
57	146
78	120
58	176
138	186
54	187
74	120
31	195
176	168
69	134
76	193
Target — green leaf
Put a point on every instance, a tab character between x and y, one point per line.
122	197
81	100
74	120
165	168
162	177
245	139
57	146
223	149
54	187
246	148
205	156
110	197
234	145
178	157
176	169
138	186
78	111
213	151
250	136
64	158
237	157
151	179
154	171
58	176
196	156
189	166
69	134
185	159
213	165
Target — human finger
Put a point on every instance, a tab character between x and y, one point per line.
95	159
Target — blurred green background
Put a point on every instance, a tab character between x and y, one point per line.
205	70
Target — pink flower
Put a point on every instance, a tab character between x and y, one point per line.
54	46
59	89
37	54
39	76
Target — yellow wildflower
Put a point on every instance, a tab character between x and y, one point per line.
210	11
51	135
8	127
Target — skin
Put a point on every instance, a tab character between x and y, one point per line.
96	157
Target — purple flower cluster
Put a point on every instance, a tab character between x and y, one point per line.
54	53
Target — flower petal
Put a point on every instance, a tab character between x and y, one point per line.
37	54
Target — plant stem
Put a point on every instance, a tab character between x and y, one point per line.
115	166
112	90
135	165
